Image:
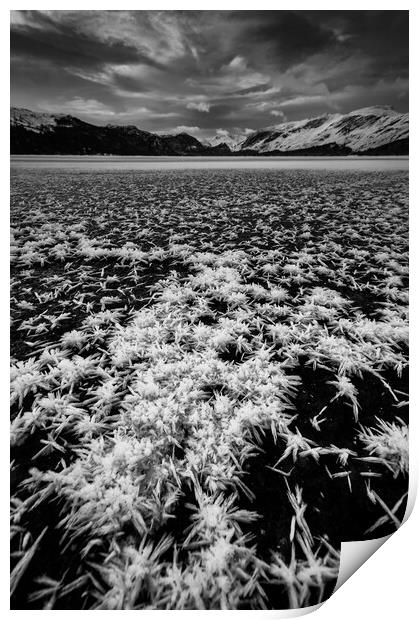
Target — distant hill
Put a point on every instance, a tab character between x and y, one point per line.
370	131
38	133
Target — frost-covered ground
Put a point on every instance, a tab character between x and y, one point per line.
209	384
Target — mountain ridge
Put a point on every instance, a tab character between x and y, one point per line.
360	130
371	130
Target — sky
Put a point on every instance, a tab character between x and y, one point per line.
210	73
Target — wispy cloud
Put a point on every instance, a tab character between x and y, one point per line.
78	106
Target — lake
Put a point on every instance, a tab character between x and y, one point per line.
113	162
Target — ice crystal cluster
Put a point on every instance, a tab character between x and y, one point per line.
208	384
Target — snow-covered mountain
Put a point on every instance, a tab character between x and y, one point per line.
232	138
360	131
40	121
376	130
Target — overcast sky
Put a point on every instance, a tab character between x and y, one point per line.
203	71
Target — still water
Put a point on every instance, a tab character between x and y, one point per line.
113	162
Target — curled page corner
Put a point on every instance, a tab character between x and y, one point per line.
274	614
354	554
411	497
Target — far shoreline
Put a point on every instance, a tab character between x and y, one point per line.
146	163
357	157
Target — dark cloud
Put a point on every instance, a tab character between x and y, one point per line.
287	37
208	69
379	38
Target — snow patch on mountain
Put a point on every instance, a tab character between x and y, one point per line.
34	121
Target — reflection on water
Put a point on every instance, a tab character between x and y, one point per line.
113	162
